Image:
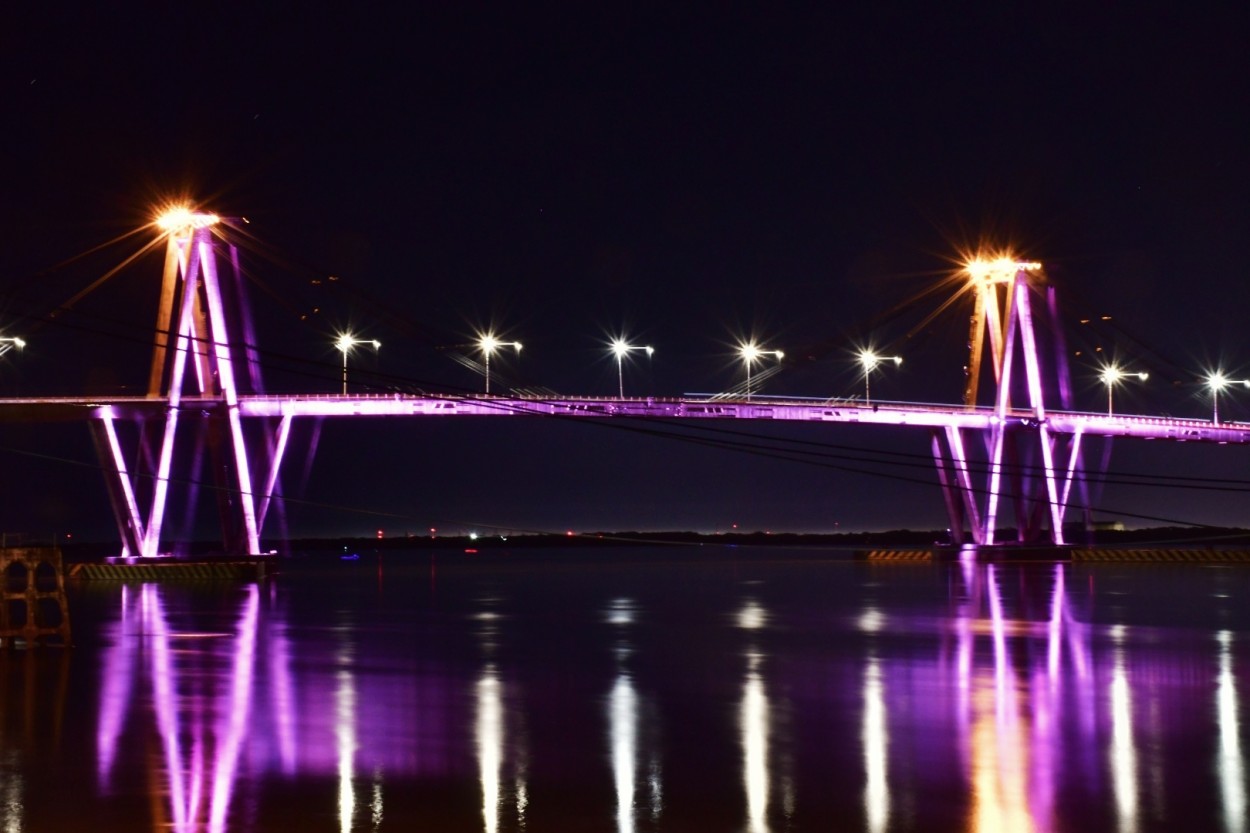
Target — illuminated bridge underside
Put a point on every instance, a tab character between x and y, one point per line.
52	409
922	416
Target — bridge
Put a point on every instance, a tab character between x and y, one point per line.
1022	451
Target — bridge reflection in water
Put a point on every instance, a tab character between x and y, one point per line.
1003	708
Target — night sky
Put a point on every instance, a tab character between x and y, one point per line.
685	176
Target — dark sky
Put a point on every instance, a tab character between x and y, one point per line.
686	175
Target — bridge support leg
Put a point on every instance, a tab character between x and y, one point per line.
950	493
962	503
117	481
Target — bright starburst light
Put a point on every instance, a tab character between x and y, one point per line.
182	218
999	269
1112	375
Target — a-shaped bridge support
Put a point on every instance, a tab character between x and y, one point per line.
199	366
1018	459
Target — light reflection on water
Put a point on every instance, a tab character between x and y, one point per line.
754	724
623	720
1231	765
490	746
835	695
1123	750
875	738
201	748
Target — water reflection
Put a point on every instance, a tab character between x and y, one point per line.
490	745
1000	744
754	726
754	719
628	738
1011	714
345	742
999	703
201	746
1231	763
874	736
1123	749
11	787
497	751
623	718
218	698
623	727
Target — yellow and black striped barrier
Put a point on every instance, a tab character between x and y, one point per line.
1159	555
897	555
1128	555
172	571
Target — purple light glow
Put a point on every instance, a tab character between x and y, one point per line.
1012	688
1005	688
118	682
210	726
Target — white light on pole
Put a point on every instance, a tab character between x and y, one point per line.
488	344
619	349
7	343
1217	381
1112	376
751	353
345	343
871	361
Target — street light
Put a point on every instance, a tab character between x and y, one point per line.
489	344
345	343
7	343
751	353
1217	381
619	349
1111	376
871	361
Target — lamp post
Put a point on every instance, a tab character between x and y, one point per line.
488	344
752	352
345	343
1111	376
871	361
7	343
1217	381
619	349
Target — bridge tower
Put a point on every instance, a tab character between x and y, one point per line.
196	377
1022	461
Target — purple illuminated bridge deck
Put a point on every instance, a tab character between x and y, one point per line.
919	415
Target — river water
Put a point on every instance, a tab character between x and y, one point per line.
638	690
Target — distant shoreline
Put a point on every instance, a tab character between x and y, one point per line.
896	538
922	539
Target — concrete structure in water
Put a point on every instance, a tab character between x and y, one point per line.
33	608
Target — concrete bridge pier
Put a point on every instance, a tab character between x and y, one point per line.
33	608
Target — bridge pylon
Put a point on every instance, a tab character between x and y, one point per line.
194	372
1018	459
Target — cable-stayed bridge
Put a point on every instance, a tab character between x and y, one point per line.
1021	451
